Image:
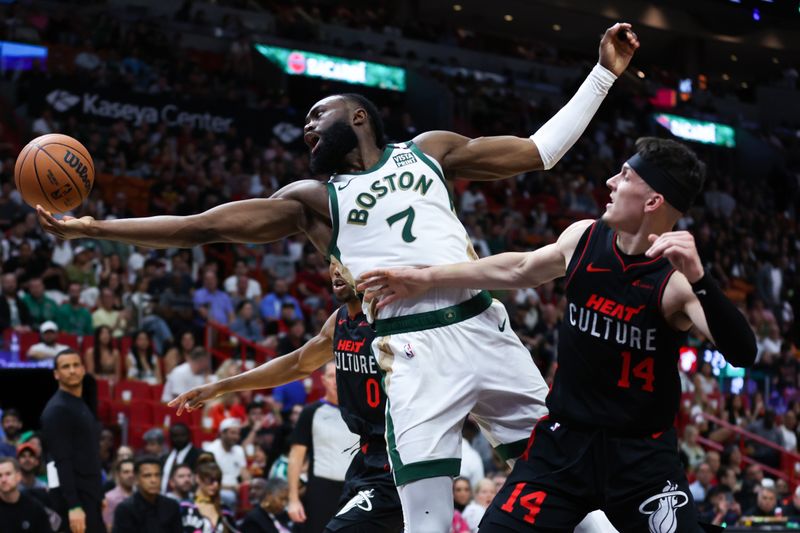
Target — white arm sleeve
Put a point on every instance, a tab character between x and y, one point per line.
560	132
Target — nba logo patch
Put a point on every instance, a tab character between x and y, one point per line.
409	351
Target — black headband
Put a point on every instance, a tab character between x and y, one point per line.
664	183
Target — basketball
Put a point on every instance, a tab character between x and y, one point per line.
54	171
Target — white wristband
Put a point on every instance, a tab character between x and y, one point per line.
562	131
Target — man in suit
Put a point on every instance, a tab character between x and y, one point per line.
147	510
183	452
71	435
270	516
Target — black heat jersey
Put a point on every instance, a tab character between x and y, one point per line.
617	356
358	380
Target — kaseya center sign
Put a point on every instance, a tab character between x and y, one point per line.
136	109
304	63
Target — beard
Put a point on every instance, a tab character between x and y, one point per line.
334	144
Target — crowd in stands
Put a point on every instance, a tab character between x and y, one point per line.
141	314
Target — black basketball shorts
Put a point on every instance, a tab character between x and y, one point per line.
568	472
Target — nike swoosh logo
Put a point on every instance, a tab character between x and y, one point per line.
502	327
592	268
342	321
343	187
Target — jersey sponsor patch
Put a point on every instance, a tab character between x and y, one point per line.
362	500
662	508
404	159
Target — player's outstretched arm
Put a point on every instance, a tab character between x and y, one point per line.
294	208
247	221
295	365
487	158
693	298
512	270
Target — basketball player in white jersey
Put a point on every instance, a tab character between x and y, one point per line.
447	353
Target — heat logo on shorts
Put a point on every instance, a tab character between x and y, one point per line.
362	500
662	508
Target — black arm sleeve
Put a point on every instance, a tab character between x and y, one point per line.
732	333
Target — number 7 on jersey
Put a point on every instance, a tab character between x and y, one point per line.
409	214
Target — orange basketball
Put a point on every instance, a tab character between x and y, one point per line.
54	171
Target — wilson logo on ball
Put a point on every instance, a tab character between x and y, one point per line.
73	161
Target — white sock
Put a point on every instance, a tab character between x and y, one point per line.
428	505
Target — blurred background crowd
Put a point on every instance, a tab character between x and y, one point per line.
173	318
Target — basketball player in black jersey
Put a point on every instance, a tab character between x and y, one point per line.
370	502
634	288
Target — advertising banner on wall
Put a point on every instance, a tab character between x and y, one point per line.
108	106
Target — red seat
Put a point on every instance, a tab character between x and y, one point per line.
103	389
161	411
26	340
156	391
139	412
136	435
317	390
104	411
69	339
139	390
244	498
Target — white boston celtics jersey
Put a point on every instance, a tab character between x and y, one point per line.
398	214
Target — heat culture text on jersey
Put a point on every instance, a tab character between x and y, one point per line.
617	356
362	402
608	320
349	357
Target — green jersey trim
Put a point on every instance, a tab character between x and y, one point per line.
333	248
425	159
435	319
387	151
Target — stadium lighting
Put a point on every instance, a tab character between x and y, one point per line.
457	7
725	77
775	60
355	71
756	14
556	27
640	74
734	58
508	18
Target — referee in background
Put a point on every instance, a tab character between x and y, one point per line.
71	437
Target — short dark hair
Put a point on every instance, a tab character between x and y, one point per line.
66	351
198	352
275	484
11	411
178	467
241	305
118	466
180	425
375	120
13	461
676	158
145	460
257	404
